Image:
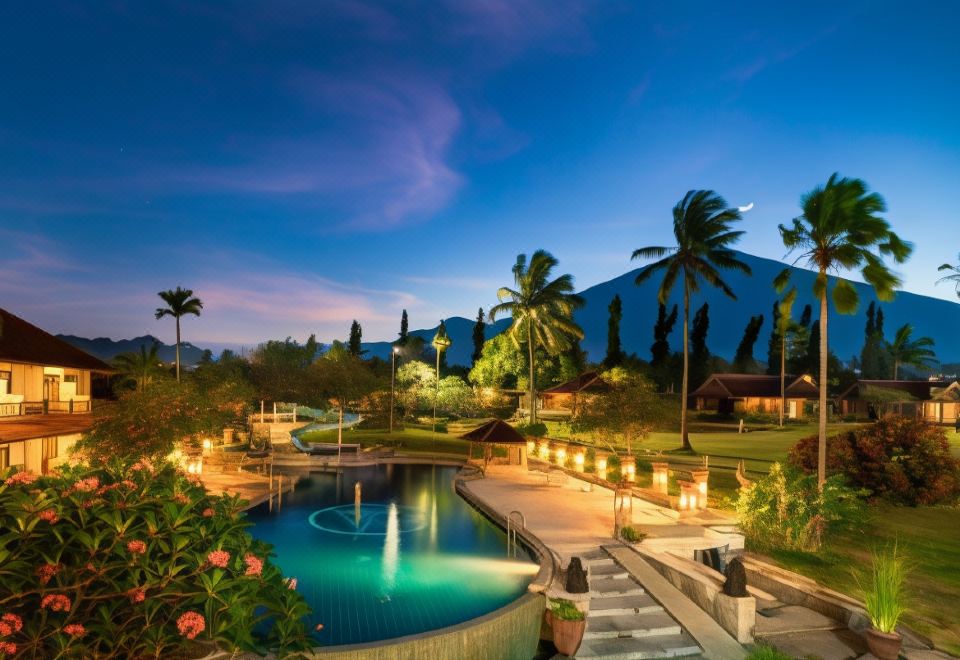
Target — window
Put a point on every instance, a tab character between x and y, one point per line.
4	382
4	457
70	378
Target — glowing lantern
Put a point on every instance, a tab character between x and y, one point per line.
578	460
628	466
531	447
689	496
700	478
544	451
661	477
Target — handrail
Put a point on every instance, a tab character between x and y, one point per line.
512	532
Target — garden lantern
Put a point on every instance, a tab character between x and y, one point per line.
531	447
600	462
689	496
628	467
561	455
544	451
661	477
700	478
578	460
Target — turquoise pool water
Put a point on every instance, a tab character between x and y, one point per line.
413	556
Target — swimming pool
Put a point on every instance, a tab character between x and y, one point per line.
412	557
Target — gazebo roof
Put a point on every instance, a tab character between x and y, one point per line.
495	432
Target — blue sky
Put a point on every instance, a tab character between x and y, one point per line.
301	164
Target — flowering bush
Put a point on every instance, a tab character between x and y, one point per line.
135	561
903	460
785	510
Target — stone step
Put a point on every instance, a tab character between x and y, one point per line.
606	570
639	648
631	625
614	586
594	555
642	604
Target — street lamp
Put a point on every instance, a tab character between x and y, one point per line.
441	342
393	379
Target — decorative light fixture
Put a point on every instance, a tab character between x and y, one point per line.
531	447
578	460
689	496
544	451
561	455
661	477
700	478
600	464
628	465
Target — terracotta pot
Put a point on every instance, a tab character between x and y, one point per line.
886	646
567	635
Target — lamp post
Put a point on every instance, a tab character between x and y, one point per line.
393	380
441	342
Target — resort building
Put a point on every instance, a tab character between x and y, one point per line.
729	394
46	394
935	401
560	401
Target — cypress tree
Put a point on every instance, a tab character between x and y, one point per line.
404	326
884	366
811	361
775	345
699	353
479	336
660	350
743	360
353	343
614	352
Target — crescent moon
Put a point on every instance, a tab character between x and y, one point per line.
744	209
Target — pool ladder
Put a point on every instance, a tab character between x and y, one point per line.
512	532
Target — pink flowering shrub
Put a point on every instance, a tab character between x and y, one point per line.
101	562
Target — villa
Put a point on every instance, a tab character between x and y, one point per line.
46	394
560	401
754	393
935	401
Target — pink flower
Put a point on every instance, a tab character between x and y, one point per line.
87	485
319	627
19	478
292	583
190	624
208	513
137	547
218	558
46	572
56	603
49	515
8	648
143	464
75	630
137	594
180	498
127	483
13	620
254	565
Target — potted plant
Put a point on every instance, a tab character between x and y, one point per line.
884	599
568	624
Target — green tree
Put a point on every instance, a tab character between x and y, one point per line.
180	302
615	354
479	336
797	341
954	276
455	396
139	368
783	320
542	311
841	230
404	329
743	361
660	350
699	351
905	350
416	382
702	227
342	379
278	370
500	365
441	342
354	343
775	351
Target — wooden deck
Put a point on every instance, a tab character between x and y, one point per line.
26	427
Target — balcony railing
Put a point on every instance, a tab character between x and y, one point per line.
70	406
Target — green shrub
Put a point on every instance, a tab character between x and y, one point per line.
537	430
904	460
883	596
764	652
565	609
631	534
134	561
785	510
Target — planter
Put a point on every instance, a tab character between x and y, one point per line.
886	646
567	635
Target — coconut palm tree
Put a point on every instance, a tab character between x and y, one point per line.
542	311
702	227
841	230
955	277
904	349
179	302
785	324
140	367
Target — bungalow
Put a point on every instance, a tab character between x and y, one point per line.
560	401
933	400
45	394
750	393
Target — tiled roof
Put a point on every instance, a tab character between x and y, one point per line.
589	381
24	342
738	386
495	432
920	390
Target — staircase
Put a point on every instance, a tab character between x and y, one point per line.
624	622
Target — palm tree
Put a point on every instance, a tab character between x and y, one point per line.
841	230
179	302
542	311
955	277
784	326
140	367
904	349
702	227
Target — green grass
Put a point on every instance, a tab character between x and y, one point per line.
412	439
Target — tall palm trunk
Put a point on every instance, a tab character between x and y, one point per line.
178	349
822	447
896	369
684	436
783	373
532	388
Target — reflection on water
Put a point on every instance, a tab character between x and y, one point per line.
407	555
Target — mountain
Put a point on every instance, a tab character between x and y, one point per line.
106	349
459	330
931	317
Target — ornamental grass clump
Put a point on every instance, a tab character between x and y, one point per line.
884	592
136	561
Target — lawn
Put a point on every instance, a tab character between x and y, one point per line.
412	439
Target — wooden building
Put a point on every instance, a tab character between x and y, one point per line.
560	401
730	394
933	400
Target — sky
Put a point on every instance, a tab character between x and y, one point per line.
302	164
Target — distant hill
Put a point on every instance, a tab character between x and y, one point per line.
106	349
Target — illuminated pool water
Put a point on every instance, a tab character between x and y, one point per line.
412	557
